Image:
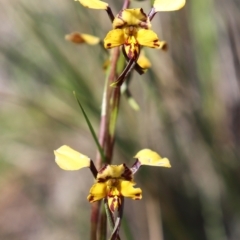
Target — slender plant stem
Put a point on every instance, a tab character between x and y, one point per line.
104	138
126	4
94	219
110	105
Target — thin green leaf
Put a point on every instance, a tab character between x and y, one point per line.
91	129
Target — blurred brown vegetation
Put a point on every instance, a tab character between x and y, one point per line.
190	113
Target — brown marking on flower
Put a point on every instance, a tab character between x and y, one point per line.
145	16
164	46
111	207
155	43
138	194
115	203
91	199
120	24
103	168
135	54
127	174
100	180
109	45
75	37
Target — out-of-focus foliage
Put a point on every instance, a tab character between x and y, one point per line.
190	113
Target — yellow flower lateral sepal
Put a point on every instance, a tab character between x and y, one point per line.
131	28
80	38
69	159
114	182
94	4
151	158
143	61
168	5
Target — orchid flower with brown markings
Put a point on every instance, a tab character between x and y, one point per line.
132	31
113	182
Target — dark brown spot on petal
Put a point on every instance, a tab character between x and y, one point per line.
138	195
165	47
127	174
109	45
75	38
135	54
145	16
100	180
91	199
156	40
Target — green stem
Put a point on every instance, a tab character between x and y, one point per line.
104	139
110	106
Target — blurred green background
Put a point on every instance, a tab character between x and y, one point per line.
190	113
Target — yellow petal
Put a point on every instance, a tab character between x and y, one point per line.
69	159
127	190
149	38
94	4
143	61
97	192
79	38
111	171
168	5
151	158
132	17
114	38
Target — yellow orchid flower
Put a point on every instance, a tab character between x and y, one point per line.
79	38
113	182
131	28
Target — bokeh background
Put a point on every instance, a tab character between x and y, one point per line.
189	112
